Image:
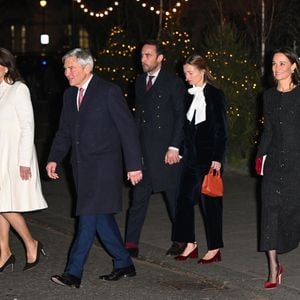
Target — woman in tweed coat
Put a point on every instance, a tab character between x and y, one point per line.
280	150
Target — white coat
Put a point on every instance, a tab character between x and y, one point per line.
17	149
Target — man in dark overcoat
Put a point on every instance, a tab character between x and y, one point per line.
98	127
160	118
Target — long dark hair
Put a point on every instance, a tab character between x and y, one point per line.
293	58
8	60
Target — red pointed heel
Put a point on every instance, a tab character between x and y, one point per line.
193	255
274	285
216	258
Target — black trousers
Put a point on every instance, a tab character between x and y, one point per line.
140	200
210	207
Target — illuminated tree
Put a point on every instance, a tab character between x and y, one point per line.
177	44
239	78
116	61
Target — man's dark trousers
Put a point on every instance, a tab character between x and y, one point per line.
106	227
140	201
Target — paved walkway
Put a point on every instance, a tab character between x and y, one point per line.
240	275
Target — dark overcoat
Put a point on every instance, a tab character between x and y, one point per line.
160	120
280	142
99	134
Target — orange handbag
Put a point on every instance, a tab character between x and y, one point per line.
213	184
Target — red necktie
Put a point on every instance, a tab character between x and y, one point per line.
80	97
149	83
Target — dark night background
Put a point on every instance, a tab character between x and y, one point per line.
235	36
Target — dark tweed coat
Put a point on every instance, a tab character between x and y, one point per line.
160	120
100	134
280	141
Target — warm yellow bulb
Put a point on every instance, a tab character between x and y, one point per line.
43	3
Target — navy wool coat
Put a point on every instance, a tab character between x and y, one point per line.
100	134
160	120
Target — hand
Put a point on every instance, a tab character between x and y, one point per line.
25	173
258	165
135	176
172	157
51	170
216	165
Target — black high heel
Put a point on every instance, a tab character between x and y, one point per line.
10	261
40	249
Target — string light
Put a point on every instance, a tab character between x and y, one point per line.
157	11
108	10
96	14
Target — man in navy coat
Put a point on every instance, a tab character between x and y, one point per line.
98	127
160	120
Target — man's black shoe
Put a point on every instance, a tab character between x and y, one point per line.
116	274
134	252
176	249
67	280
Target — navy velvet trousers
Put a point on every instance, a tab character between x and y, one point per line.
210	207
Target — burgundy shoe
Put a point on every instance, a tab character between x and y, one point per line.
192	254
215	258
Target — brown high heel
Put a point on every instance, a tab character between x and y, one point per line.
215	258
193	254
274	285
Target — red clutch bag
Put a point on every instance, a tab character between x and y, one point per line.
259	165
213	184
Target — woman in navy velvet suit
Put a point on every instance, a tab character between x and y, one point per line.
204	147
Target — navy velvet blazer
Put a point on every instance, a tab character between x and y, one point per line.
205	142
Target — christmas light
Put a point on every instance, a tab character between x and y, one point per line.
157	10
97	14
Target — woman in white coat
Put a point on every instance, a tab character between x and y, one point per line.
20	186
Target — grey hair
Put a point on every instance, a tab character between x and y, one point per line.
84	57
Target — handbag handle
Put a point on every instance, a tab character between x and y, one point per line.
214	172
